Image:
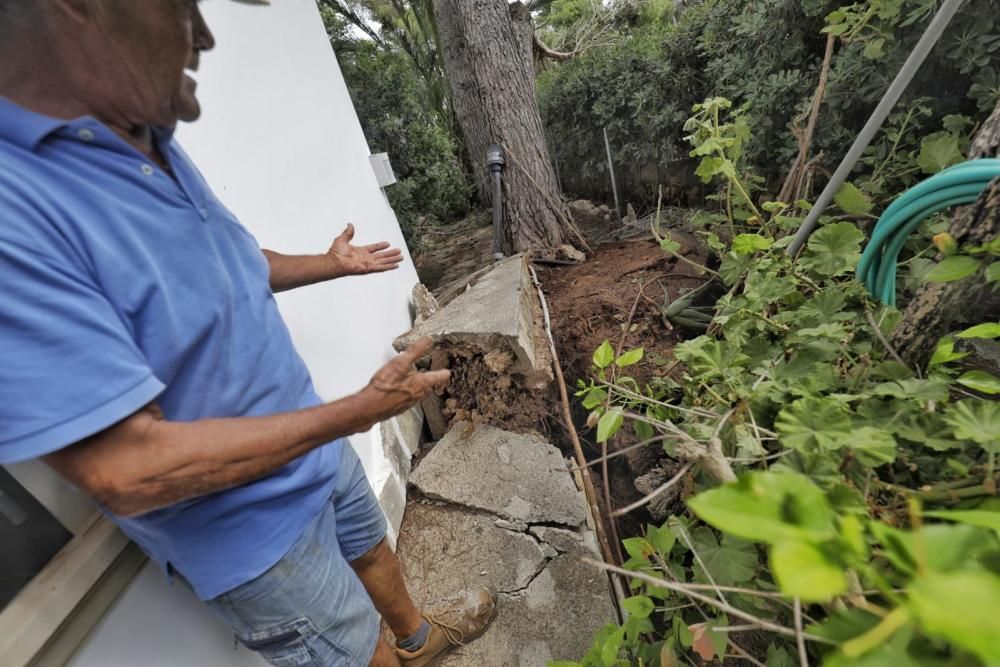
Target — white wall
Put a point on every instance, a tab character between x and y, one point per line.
281	145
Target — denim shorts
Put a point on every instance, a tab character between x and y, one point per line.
310	608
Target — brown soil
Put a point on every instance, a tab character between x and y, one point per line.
490	396
588	303
591	303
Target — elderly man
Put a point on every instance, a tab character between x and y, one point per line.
143	358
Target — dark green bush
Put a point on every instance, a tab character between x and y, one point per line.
766	55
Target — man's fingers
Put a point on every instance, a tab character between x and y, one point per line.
436	378
347	234
395	253
416	351
376	247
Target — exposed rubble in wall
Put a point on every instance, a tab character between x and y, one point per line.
491	338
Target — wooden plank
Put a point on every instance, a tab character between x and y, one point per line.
30	621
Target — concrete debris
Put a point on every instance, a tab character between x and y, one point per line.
424	303
512	520
446	551
554	618
500	311
516	477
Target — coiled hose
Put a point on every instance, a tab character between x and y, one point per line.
957	185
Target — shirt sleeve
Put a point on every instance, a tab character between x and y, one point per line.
69	367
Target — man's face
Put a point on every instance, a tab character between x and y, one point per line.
140	50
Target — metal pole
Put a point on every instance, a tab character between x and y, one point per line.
614	181
495	161
889	100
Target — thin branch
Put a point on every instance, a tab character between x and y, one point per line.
728	609
885	341
657	493
799	635
588	482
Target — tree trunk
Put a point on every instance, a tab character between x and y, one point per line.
937	306
487	47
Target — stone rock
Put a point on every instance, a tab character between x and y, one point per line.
554	618
663	506
563	540
424	303
500	311
445	551
516	477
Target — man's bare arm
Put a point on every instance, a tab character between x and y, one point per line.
146	463
342	259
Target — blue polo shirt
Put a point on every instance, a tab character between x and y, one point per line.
121	285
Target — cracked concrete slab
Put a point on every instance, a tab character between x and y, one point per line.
499	312
516	477
445	550
554	618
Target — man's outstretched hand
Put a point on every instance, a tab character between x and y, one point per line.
351	260
398	386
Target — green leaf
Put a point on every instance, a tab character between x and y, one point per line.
852	201
604	355
731	562
834	249
922	390
989	330
639	606
873	447
638	547
938	152
993	272
643	430
976	420
670	246
594	397
748	244
768	507
945	353
980	518
956	607
945	547
609	425
630	358
981	381
662	539
804	571
811	423
778	657
874	49
953	268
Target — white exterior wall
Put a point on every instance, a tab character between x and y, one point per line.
281	145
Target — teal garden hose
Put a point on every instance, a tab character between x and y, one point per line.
957	185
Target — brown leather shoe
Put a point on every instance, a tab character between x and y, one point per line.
454	626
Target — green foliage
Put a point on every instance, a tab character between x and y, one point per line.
387	95
394	89
836	447
765	55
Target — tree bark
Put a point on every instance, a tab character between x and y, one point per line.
488	57
938	306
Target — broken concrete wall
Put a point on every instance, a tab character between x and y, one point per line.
500	510
491	336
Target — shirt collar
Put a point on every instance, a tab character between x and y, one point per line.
26	128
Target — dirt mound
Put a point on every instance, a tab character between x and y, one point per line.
590	303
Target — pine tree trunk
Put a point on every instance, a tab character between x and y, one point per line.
487	48
938	306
